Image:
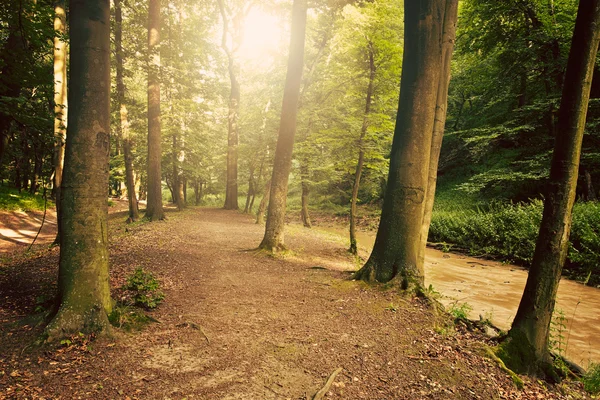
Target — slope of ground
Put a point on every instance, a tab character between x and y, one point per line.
237	324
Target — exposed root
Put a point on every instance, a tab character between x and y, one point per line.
321	393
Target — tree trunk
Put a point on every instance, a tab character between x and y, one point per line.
154	205
83	283
304	214
37	170
260	213
177	182
361	150
122	121
526	348
396	249
250	189
588	190
60	103
274	239
448	37
231	191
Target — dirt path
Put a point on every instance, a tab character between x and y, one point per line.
237	324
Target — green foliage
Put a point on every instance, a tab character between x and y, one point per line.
591	380
12	200
128	318
558	327
460	311
509	231
144	289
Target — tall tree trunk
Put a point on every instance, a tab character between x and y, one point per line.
304	174
274	239
154	205
361	149
260	213
396	249
60	103
449	35
526	348
231	191
83	285
122	121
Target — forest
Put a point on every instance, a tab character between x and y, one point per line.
299	199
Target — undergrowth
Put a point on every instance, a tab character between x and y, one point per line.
12	200
509	231
591	380
141	292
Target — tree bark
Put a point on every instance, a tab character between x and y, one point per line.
361	150
83	284
260	213
526	348
282	163
154	205
396	249
122	121
60	103
448	37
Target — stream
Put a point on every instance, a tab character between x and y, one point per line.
494	289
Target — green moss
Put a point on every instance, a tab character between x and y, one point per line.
516	352
495	356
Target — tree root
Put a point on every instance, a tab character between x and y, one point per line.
321	393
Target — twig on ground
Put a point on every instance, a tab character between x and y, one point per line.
321	393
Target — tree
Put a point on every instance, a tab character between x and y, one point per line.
60	101
448	37
84	296
396	249
122	121
231	192
526	347
274	231
361	151
154	208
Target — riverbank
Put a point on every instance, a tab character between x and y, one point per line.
239	324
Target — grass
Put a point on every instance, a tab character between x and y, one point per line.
508	231
12	200
591	380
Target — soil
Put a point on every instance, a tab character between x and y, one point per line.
240	324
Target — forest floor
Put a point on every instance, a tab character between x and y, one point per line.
240	324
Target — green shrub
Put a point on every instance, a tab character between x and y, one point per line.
591	380
460	311
143	287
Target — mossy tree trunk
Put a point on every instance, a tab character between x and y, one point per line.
396	250
448	38
154	205
526	348
60	102
361	149
274	238
84	296
262	206
122	121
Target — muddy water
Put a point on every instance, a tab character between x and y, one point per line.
495	289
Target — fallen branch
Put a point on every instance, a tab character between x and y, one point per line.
321	393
